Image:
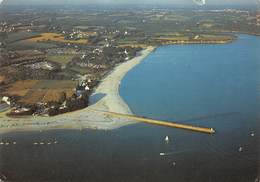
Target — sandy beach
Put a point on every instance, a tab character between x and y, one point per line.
89	117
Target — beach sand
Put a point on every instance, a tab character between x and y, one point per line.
89	117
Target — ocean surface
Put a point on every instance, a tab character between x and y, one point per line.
204	85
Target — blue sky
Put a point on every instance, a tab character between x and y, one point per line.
127	1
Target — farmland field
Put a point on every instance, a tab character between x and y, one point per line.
56	84
20	88
134	45
25	44
18	36
184	38
56	38
61	59
2	78
34	91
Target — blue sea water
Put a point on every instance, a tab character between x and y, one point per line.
206	85
177	82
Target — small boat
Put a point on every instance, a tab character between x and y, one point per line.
2	143
35	143
166	153
252	134
7	143
240	149
2	178
41	143
167	139
55	142
14	143
48	143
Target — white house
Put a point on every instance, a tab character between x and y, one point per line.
196	37
6	100
87	88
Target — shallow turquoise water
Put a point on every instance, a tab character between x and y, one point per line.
207	85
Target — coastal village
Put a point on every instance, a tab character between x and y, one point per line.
50	65
39	86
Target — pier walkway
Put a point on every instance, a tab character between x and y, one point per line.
160	123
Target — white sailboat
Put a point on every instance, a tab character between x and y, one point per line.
167	139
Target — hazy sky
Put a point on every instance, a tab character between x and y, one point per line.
126	1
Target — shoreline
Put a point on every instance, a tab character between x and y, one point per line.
89	117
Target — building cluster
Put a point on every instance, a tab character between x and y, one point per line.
258	19
77	34
104	57
5	28
61	104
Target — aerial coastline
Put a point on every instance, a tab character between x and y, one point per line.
50	72
129	90
89	117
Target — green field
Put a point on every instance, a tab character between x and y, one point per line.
18	36
61	59
23	44
79	70
55	84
